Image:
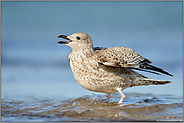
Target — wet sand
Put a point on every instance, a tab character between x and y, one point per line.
136	107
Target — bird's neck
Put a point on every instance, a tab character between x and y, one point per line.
85	51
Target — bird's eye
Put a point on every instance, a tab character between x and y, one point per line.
78	38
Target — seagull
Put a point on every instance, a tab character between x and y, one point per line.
107	70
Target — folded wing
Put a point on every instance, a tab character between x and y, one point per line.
125	57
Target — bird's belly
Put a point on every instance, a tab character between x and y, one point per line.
93	78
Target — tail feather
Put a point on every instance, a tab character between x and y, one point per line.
160	82
147	81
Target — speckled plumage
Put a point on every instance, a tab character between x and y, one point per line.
107	70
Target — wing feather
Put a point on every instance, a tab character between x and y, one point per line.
125	57
120	57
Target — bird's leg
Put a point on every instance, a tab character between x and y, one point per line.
108	98
122	96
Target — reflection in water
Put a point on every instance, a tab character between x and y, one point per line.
137	107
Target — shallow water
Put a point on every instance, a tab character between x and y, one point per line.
136	107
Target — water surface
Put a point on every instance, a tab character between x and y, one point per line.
136	107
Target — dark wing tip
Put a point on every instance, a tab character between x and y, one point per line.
150	67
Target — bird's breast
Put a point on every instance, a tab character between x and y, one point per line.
92	76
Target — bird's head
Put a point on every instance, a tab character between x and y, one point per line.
77	40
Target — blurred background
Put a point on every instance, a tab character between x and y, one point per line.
34	65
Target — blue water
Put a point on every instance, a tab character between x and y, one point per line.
33	64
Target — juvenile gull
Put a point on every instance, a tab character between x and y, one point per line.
107	70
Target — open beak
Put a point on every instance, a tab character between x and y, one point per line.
64	37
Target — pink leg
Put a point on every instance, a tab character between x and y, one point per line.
122	96
108	98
